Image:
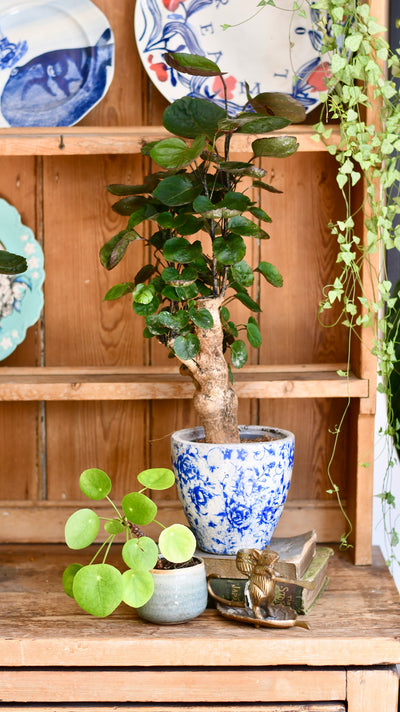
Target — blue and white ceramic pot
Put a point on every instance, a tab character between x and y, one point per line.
179	595
233	494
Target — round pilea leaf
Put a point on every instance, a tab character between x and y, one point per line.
81	528
157	478
177	543
138	587
98	589
68	578
140	554
95	483
114	526
138	508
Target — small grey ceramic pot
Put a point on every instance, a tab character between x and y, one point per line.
179	595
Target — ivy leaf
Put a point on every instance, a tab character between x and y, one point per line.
239	353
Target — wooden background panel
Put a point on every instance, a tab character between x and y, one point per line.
125	101
20	476
111	436
80	328
303	250
312	421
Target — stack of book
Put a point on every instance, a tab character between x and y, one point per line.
299	558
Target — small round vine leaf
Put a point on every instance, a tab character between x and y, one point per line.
140	554
68	578
157	478
98	589
114	526
138	587
95	483
177	543
138	508
81	528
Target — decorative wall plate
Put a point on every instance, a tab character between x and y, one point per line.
56	61
21	296
258	51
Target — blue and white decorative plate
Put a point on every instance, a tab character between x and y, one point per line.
21	296
56	61
276	50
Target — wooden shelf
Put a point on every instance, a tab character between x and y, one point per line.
83	140
148	382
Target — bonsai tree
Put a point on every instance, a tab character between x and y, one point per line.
99	588
201	216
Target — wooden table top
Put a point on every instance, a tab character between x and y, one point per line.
355	622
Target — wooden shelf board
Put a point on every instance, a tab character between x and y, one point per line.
44	521
147	383
85	140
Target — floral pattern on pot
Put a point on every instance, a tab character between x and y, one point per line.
233	494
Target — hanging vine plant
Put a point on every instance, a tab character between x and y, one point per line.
360	126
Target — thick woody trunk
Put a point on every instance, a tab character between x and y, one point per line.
215	400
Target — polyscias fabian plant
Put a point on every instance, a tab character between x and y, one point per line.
99	588
183	292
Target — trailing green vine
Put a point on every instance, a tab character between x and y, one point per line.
360	126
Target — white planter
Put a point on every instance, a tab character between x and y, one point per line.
233	494
179	595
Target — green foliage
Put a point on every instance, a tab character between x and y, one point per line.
99	588
198	188
11	263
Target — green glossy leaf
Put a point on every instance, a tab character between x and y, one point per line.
202	318
95	483
146	187
188	224
177	190
262	124
129	204
68	578
138	508
236	201
177	543
202	204
260	214
190	117
179	279
98	589
229	250
114	250
271	274
11	263
143	293
239	353
266	186
240	168
156	478
114	526
253	334
140	554
178	249
276	146
248	301
155	325
280	105
138	587
243	273
146	309
192	64
119	290
174	153
81	528
186	347
244	226
144	274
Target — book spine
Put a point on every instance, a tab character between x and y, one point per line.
289	594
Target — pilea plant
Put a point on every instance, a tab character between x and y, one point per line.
184	291
362	99
100	587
